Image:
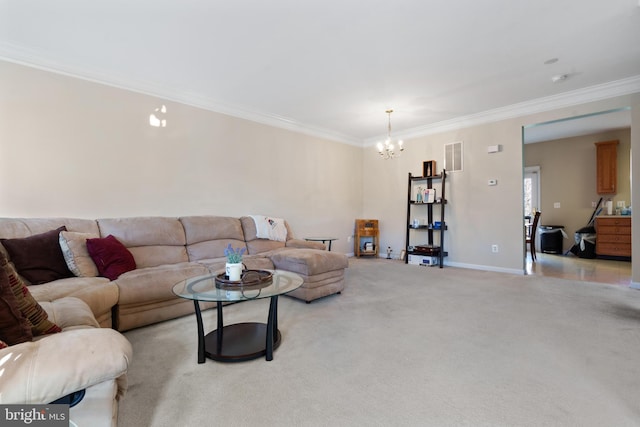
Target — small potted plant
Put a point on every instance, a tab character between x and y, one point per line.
233	267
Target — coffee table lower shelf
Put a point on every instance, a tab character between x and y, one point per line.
240	342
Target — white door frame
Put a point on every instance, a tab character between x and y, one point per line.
534	170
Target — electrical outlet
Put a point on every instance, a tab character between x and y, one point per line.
594	204
556	205
494	249
349	239
620	204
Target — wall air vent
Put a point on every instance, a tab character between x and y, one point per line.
453	156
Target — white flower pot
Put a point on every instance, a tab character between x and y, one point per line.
233	271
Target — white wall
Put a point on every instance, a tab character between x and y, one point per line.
74	148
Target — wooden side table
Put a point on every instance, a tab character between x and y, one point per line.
321	239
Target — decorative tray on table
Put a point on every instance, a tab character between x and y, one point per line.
250	279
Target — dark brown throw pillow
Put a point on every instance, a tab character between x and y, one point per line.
14	326
110	256
38	258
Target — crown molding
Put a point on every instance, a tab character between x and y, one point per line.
31	58
566	99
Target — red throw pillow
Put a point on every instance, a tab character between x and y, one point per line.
38	258
110	256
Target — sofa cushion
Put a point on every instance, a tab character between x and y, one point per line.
29	307
99	293
38	258
111	257
70	313
14	327
308	262
76	255
250	262
208	236
152	241
152	284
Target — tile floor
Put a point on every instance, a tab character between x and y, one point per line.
573	267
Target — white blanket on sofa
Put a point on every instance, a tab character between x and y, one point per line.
270	228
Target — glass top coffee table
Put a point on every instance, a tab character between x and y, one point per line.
239	341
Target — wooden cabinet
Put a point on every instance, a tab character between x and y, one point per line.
367	237
606	167
613	236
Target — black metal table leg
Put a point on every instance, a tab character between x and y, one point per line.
200	332
272	327
220	329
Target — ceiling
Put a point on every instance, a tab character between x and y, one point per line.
332	68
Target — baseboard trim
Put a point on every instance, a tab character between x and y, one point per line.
467	266
485	268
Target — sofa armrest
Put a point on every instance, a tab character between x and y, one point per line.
303	244
47	369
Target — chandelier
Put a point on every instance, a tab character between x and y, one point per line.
387	149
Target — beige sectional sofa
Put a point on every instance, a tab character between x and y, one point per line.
56	349
166	250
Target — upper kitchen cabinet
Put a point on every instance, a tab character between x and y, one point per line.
606	167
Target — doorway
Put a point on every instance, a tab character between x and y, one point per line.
568	193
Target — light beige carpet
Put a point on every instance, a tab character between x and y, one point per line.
407	346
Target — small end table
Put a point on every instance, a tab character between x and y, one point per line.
321	239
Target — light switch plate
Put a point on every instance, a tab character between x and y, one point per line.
556	205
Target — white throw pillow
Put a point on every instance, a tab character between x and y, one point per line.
74	249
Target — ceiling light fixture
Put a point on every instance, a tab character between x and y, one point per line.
387	149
